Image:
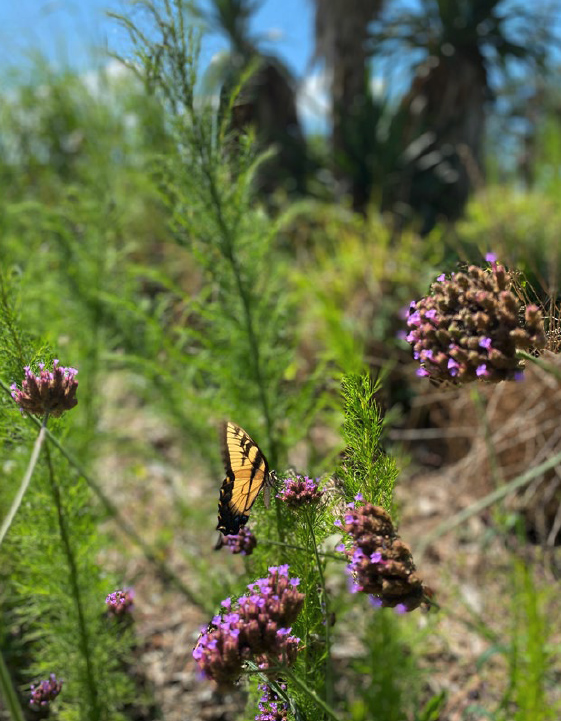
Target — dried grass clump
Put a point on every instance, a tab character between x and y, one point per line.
523	430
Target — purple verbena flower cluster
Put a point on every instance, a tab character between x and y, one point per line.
53	391
45	692
300	491
271	708
469	327
242	542
120	603
257	628
381	564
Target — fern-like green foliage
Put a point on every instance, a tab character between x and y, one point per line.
238	331
529	652
365	469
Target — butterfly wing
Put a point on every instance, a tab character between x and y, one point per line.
247	471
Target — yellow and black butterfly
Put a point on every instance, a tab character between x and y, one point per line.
247	472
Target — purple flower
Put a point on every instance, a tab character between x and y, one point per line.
481	370
359	497
271	707
441	277
49	391
45	692
491	257
259	629
414	319
242	542
300	491
470	327
120	603
380	564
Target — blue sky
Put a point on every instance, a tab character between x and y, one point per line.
74	32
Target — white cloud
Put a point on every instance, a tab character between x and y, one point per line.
313	102
96	81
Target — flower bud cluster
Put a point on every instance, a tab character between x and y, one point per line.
257	628
380	562
242	542
45	692
120	603
300	491
271	708
469	327
53	391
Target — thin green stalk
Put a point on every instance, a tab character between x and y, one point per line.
252	338
310	693
544	365
328	667
8	693
127	528
7	522
485	502
84	639
334	556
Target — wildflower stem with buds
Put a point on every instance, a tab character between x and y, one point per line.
7	522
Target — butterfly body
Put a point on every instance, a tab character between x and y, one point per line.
247	471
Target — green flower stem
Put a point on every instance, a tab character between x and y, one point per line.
334	556
310	693
478	506
537	360
328	666
163	568
7	522
84	639
8	693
